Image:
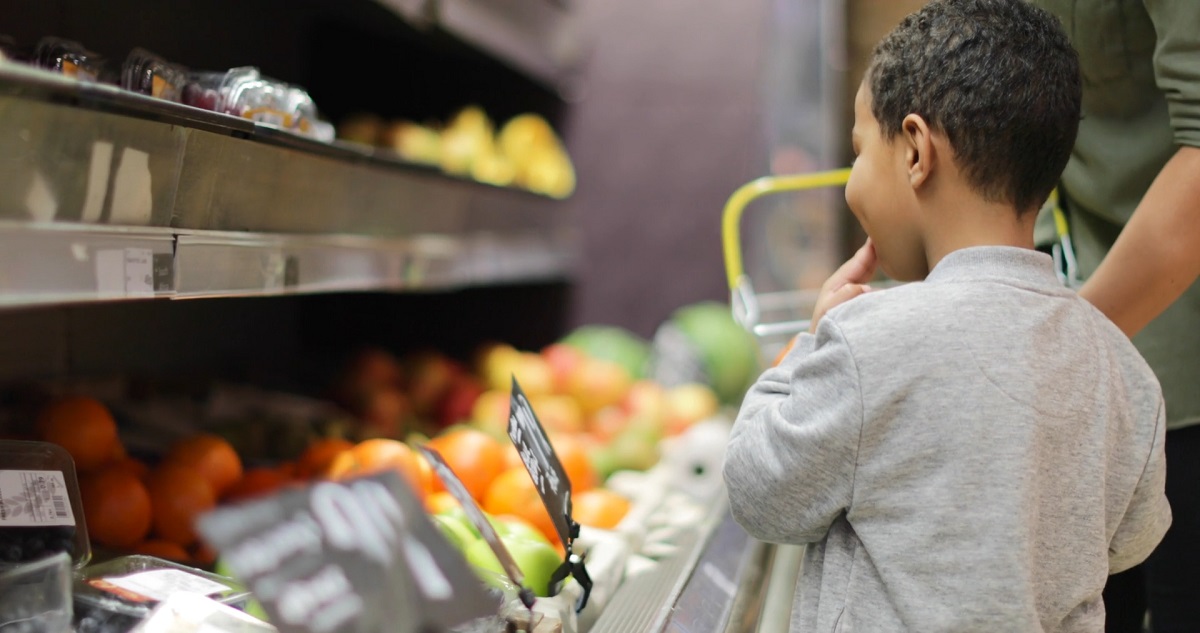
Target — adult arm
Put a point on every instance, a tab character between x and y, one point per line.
1157	255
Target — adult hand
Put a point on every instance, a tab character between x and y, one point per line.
846	282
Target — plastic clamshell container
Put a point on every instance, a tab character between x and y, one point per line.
133	585
68	58
37	596
148	74
41	511
191	612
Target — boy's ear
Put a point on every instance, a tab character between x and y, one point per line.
918	149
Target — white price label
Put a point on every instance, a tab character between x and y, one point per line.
127	272
161	584
32	498
139	272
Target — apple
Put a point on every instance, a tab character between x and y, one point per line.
373	369
688	404
495	363
558	413
563	360
455	530
536	560
386	413
430	376
599	383
608	422
490	411
512	527
646	398
457	514
534	374
459	402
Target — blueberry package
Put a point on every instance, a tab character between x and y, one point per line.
120	593
41	512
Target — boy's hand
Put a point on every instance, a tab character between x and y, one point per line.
846	283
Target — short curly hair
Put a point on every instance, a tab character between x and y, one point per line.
999	78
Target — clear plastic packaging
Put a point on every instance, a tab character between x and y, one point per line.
120	593
68	58
148	74
41	511
37	596
244	92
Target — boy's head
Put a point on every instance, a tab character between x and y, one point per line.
993	84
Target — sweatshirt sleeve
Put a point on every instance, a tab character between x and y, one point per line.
1149	515
1176	64
790	463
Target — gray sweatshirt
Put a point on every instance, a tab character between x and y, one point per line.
976	452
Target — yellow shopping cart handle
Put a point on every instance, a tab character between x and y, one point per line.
751	191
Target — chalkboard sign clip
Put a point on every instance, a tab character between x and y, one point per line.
573	567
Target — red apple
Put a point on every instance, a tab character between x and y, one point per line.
459	402
563	360
430	376
599	383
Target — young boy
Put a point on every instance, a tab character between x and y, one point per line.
980	450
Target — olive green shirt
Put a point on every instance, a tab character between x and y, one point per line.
1140	61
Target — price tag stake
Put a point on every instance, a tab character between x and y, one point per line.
456	489
553	486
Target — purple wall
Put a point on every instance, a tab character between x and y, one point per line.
669	123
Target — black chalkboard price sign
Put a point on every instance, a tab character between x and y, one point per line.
456	488
552	483
356	556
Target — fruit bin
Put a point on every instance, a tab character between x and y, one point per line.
669	504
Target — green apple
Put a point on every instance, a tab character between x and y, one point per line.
459	515
508	527
457	532
536	559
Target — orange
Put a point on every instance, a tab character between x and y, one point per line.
512	458
440	501
474	456
572	452
599	508
319	455
514	493
287	470
133	466
203	554
83	426
210	456
425	474
256	483
116	507
378	455
178	495
162	549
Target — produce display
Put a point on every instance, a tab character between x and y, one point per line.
524	153
640	457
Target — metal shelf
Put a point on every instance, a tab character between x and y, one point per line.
51	263
225	207
539	38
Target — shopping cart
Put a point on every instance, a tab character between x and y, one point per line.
772	317
775	317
